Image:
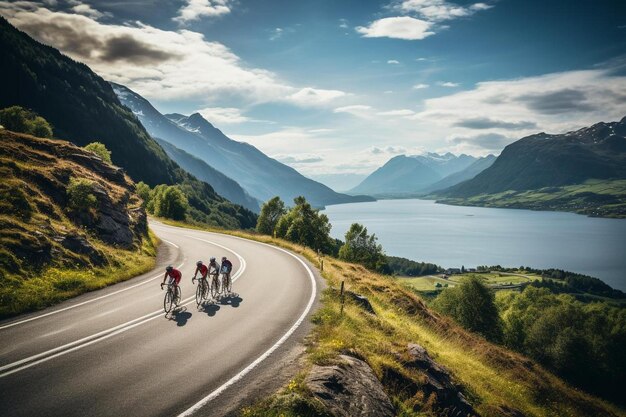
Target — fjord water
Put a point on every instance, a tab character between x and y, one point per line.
452	236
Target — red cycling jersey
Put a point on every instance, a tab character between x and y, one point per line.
175	275
203	270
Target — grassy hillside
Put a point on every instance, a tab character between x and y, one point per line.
83	108
50	249
599	198
496	381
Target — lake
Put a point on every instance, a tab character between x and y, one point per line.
452	236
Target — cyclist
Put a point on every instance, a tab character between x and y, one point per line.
214	267
174	274
227	266
204	271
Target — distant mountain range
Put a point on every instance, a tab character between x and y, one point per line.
545	160
582	171
478	166
260	176
83	108
411	175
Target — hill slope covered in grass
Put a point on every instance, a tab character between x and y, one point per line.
83	108
57	238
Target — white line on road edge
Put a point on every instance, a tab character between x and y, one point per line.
15	323
197	406
105	334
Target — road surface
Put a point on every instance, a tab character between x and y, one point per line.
113	352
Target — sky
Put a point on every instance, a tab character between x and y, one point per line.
335	88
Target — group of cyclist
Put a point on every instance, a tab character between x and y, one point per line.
213	268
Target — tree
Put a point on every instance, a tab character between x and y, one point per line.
271	212
170	202
304	225
363	249
143	190
100	150
18	119
80	194
472	305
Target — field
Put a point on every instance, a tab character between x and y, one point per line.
496	279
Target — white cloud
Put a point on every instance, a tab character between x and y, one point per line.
439	10
401	27
298	158
554	103
343	23
420	86
393	61
390	150
399	112
87	10
223	115
276	33
160	64
359	110
448	84
309	96
195	9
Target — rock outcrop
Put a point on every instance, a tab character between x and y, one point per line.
349	389
438	385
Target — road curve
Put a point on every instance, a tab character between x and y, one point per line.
113	352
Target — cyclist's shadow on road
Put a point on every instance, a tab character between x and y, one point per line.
232	299
180	316
210	309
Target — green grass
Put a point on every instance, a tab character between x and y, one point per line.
428	283
55	284
491	376
601	198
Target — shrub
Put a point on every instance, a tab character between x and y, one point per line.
20	120
472	304
80	194
170	202
100	150
363	249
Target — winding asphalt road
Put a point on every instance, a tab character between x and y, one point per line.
113	352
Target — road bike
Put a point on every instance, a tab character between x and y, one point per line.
172	297
227	282
202	291
215	285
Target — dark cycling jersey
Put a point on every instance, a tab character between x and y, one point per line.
227	266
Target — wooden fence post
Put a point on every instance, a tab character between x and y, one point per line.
341	296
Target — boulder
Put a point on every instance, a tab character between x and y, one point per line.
349	389
438	381
360	300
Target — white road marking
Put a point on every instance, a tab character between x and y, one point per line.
15	323
268	352
104	334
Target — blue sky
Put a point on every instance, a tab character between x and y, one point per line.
337	87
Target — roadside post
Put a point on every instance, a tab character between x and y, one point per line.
341	296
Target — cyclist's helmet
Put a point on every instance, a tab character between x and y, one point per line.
212	259
199	263
223	258
169	268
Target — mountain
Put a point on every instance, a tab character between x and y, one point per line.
404	175
468	173
226	187
583	171
83	108
545	160
261	176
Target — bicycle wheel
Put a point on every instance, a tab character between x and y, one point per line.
227	283
199	293
205	289
167	301
215	287
177	296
